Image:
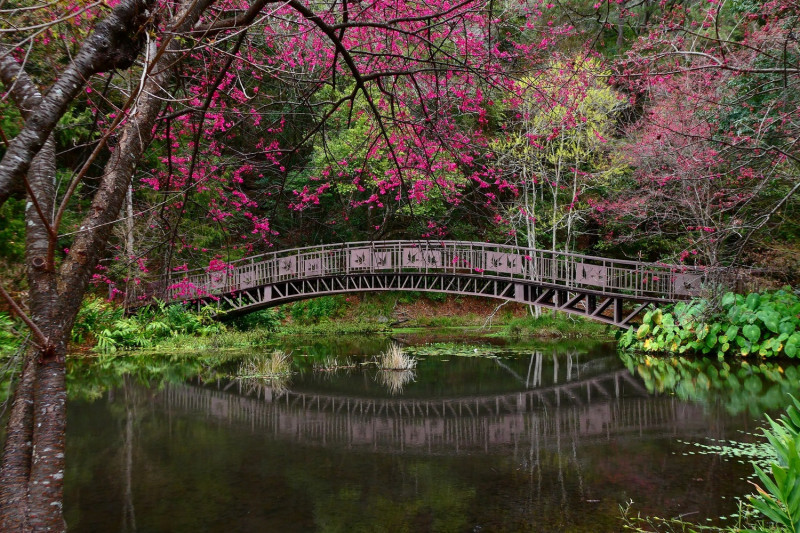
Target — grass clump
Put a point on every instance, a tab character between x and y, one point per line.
395	369
277	365
394	358
333	364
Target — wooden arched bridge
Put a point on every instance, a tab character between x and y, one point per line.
607	290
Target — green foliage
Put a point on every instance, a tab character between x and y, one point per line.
437	297
766	324
329	327
154	324
316	309
9	340
779	499
12	230
95	315
265	319
559	326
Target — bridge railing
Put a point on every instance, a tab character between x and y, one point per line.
647	281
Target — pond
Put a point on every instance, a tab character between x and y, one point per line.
474	438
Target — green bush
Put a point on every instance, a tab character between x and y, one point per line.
156	323
316	309
767	324
266	319
95	315
436	297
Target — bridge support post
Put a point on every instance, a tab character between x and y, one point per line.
618	313
561	298
519	292
591	303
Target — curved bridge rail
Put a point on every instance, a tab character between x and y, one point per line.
608	290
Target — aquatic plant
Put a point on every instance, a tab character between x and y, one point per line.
395	359
396	368
278	364
268	376
649	524
333	364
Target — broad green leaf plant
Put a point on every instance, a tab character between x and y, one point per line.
765	324
779	498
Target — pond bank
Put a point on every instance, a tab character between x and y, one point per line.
103	328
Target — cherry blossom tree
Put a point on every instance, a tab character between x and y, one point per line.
194	99
716	146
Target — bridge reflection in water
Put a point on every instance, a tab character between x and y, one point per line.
605	406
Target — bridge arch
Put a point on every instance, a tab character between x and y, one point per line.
606	290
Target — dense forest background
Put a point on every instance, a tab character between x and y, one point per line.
664	131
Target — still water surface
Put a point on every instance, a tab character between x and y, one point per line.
547	439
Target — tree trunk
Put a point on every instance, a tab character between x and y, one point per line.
16	466
32	475
46	488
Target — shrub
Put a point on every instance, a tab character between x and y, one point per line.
766	324
94	315
267	319
156	323
316	309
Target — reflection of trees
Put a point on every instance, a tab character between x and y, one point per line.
128	512
535	368
90	378
411	495
739	386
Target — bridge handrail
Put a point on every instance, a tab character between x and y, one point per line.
445	243
468	258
